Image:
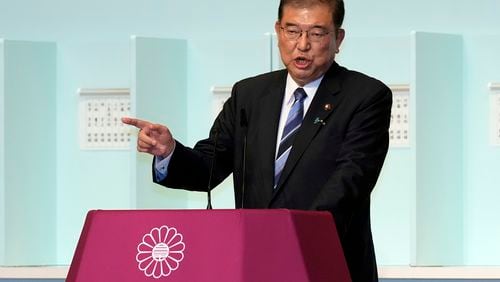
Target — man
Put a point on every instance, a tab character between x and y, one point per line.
316	134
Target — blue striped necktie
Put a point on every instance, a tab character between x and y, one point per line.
293	122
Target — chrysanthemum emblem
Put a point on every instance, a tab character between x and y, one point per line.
160	252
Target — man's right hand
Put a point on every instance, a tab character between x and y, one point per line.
154	139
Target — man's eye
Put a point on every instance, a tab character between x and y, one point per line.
290	31
317	33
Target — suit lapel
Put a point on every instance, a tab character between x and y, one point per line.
322	106
270	111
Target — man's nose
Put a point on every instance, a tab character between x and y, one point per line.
303	41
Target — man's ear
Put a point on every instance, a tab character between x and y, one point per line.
277	27
339	39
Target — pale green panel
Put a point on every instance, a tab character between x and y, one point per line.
30	150
481	159
2	155
387	58
390	211
219	63
159	79
87	179
216	63
439	163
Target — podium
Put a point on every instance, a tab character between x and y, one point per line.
208	245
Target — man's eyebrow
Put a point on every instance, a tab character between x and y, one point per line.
311	27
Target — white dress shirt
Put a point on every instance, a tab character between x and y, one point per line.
288	100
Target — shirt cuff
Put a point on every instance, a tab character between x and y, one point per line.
161	166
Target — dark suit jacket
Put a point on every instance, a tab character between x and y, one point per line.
333	165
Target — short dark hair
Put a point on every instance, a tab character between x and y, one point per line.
336	6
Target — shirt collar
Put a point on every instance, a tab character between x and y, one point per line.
291	86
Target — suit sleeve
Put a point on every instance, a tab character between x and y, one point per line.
190	168
359	161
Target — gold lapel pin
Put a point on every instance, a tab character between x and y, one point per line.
327	107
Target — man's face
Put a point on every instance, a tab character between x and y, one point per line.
309	56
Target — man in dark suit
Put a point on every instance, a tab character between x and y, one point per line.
316	134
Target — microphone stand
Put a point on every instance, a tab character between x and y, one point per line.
244	125
212	165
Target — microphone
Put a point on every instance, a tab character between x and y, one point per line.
212	165
244	125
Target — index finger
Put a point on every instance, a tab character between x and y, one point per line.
139	123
